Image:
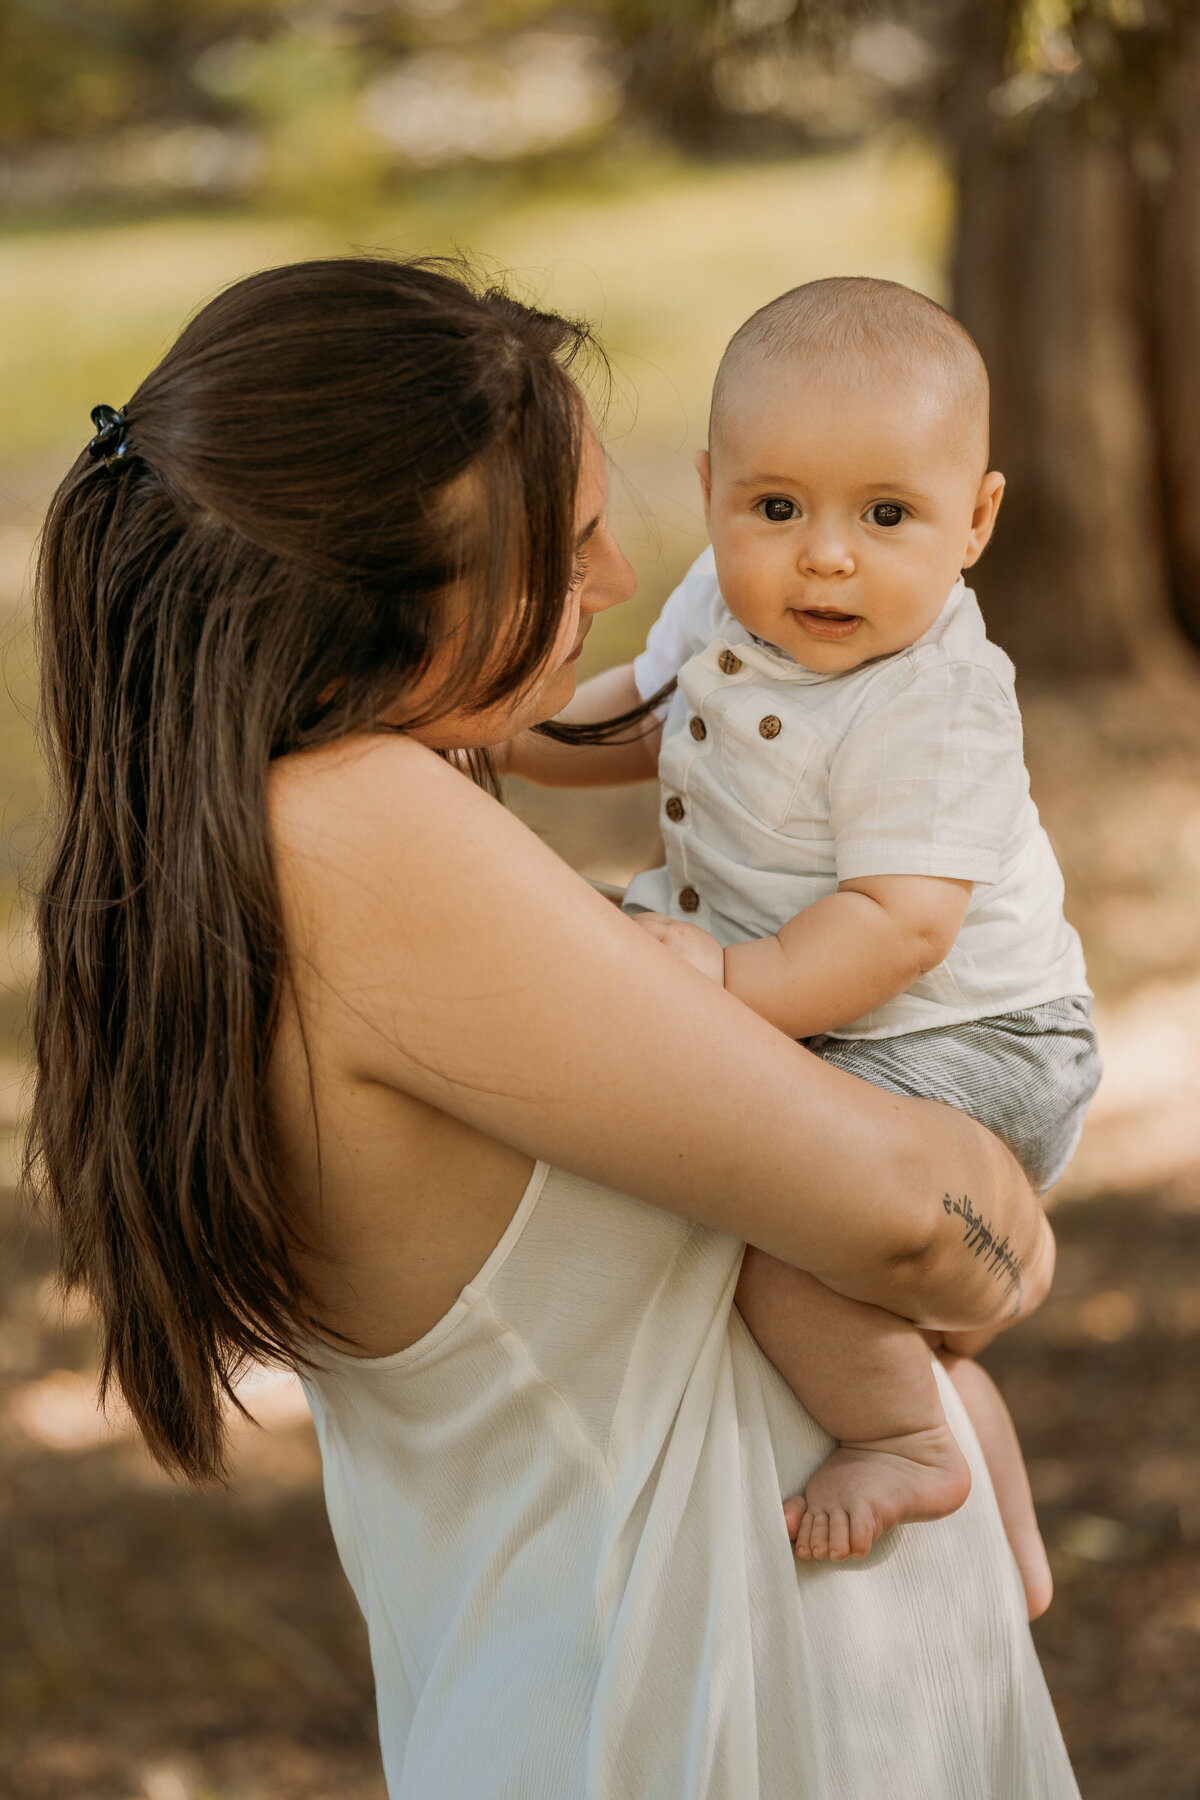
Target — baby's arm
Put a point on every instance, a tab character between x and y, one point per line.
849	953
631	757
837	959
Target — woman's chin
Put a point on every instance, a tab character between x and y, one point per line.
466	730
560	689
556	691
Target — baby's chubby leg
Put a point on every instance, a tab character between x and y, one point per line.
866	1377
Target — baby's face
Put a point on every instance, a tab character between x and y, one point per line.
841	513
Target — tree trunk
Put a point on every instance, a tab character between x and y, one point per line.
1050	276
1174	181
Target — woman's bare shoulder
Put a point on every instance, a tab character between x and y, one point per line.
378	832
356	780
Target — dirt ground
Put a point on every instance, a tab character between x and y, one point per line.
164	1644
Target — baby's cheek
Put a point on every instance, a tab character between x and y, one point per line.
750	586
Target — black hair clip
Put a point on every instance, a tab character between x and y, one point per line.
110	441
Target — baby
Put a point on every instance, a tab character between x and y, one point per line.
850	843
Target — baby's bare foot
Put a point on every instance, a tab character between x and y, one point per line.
865	1489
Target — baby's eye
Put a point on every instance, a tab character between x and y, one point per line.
778	510
885	513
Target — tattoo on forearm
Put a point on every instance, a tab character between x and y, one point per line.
979	1237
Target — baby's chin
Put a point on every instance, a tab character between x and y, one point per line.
830	645
825	655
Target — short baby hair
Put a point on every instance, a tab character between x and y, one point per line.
859	326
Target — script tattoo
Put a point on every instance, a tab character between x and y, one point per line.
979	1237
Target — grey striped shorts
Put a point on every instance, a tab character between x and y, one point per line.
1027	1076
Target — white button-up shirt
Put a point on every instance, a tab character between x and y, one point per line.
778	783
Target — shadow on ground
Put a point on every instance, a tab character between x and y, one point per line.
162	1643
1102	1384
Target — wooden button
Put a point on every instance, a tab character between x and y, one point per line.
728	663
674	809
769	727
698	729
689	899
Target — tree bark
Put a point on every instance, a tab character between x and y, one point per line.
1174	182
1050	276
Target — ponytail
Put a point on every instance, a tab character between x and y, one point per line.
264	567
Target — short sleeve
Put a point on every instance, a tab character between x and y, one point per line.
932	780
682	628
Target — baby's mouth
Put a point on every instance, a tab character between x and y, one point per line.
827	622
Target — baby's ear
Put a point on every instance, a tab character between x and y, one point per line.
983	519
704	470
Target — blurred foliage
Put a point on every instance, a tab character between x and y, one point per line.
1108	56
71	67
314	100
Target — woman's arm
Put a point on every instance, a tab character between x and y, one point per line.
460	961
632	757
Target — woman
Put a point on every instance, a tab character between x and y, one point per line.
337	1063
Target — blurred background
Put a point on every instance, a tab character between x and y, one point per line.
662	167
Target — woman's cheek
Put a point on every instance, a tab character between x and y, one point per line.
568	630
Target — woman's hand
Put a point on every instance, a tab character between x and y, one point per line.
691	943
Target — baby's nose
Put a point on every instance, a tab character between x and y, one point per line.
827	553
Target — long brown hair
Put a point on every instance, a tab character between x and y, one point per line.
266	568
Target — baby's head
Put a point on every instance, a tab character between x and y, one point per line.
846	480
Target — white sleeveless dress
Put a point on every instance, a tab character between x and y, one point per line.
560	1513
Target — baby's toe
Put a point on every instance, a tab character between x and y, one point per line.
818	1541
793	1512
839	1534
862	1531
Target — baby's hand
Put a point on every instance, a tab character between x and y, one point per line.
693	944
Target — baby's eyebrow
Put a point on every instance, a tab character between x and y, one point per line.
899	490
749	481
587	531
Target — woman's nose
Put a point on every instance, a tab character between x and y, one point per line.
610	578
